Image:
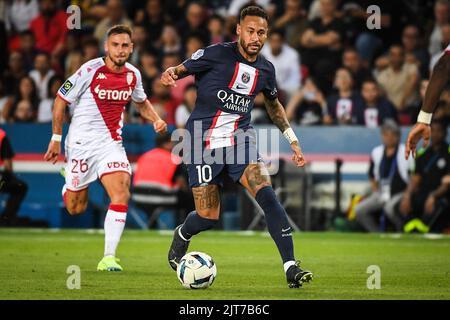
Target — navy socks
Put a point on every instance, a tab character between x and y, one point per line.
195	224
277	222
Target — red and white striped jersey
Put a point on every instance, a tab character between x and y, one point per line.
98	96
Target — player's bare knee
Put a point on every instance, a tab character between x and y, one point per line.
121	196
74	209
212	213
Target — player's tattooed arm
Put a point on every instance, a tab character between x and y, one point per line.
278	116
149	113
276	113
172	74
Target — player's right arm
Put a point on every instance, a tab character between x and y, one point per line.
54	147
68	93
438	81
172	74
200	61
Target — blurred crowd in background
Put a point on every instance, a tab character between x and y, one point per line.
331	68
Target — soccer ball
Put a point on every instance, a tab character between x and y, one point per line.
196	270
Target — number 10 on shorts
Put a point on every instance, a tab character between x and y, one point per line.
204	173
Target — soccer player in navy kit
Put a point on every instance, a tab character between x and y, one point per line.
228	77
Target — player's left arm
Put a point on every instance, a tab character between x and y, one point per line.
147	111
278	116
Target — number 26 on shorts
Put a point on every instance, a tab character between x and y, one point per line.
80	165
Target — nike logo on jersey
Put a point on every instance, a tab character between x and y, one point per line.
241	87
101	76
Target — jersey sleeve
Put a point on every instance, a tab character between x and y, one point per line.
72	89
138	94
201	60
270	89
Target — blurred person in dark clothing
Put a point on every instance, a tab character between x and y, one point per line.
322	45
26	92
28	49
10	184
344	106
307	106
195	21
352	61
14	72
426	200
375	109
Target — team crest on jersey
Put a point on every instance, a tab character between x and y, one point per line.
245	77
66	87
129	77
197	54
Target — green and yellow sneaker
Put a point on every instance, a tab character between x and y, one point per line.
416	224
109	263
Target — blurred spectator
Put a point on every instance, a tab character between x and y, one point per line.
415	53
49	28
193	42
307	106
139	43
170	42
28	49
343	107
389	175
90	47
163	103
153	19
352	61
441	18
400	81
20	13
23	112
286	61
194	22
185	109
10	184
160	180
4	100
73	49
368	42
115	15
26	92
15	72
294	21
425	202
75	62
376	109
216	28
445	31
149	70
322	44
41	74
45	106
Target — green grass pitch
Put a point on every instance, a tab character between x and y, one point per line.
33	265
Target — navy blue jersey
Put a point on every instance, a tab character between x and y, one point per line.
226	88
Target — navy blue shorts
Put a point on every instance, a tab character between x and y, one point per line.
209	165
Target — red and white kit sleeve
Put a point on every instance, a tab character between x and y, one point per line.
138	94
72	89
